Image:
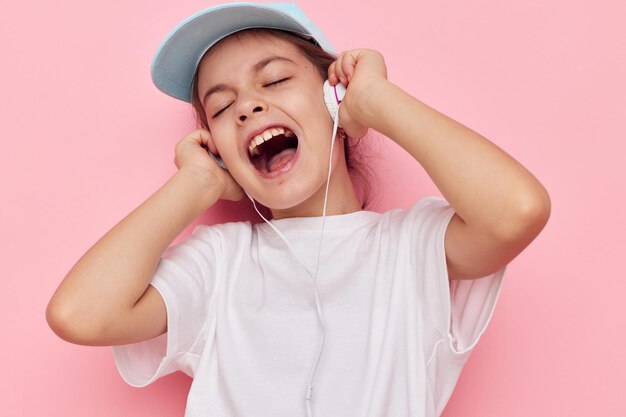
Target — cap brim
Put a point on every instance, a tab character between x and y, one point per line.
177	58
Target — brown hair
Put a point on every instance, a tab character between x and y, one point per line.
360	173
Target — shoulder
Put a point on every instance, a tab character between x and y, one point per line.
428	213
207	243
220	231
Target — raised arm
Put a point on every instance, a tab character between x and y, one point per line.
106	299
500	206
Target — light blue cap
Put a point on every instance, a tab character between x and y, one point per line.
176	60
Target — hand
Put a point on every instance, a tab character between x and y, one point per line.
358	70
192	154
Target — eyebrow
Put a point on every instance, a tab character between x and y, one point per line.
255	69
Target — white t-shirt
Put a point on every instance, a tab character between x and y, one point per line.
242	318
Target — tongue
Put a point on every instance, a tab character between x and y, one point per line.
280	159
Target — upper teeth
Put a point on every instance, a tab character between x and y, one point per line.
265	136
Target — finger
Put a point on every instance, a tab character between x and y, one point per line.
332	76
339	69
348	63
178	150
200	136
204	138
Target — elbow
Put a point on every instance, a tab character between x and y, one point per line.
72	325
529	215
63	322
536	211
59	320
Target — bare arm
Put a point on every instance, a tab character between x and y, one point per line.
500	206
106	299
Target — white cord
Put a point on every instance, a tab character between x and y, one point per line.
320	313
309	392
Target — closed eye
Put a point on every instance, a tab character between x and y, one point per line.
273	83
221	111
278	82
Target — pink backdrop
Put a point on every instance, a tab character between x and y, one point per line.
85	138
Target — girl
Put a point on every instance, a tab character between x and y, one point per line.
328	309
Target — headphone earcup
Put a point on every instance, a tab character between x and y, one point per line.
332	97
218	160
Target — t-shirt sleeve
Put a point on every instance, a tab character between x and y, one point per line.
460	308
457	312
186	280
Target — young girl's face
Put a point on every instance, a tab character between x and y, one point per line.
255	86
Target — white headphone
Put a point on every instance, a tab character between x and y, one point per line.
333	95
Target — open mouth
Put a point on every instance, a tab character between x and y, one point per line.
273	149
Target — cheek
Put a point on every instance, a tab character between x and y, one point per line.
221	140
312	107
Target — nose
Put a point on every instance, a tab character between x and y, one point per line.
249	106
244	116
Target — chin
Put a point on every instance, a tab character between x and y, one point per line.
297	197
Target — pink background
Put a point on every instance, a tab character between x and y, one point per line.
85	138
